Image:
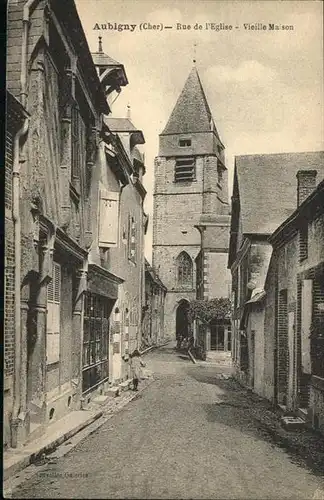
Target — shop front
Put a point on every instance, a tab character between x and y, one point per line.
99	299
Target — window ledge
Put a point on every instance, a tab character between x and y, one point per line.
185	182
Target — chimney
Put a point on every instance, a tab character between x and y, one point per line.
306	183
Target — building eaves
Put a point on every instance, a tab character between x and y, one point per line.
14	105
155	278
122	125
69	19
314	203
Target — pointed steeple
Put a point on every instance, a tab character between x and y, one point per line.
191	113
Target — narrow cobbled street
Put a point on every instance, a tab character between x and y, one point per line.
190	434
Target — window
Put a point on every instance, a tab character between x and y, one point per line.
317	326
78	146
108	219
229	338
53	316
303	240
282	346
132	239
217	338
184	270
183	143
185	169
219	173
95	340
75	144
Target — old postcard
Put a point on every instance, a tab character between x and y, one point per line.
164	250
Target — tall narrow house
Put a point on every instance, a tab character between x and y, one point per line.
191	211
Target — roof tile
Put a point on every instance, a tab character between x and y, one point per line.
191	112
267	187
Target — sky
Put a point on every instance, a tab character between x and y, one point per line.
264	87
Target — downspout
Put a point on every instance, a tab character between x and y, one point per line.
24	53
18	378
17	243
141	280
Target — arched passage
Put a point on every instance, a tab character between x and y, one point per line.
182	322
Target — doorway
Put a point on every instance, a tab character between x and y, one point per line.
182	322
217	337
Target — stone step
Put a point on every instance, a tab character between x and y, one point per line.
292	423
112	392
35	431
101	400
124	386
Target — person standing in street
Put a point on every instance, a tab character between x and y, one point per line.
136	365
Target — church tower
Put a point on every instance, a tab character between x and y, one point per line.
191	211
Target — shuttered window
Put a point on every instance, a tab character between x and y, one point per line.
303	240
108	219
184	169
53	316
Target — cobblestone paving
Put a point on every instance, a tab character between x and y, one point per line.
189	435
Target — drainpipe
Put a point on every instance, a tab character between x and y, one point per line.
24	53
18	376
17	243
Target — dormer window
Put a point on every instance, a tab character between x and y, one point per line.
184	143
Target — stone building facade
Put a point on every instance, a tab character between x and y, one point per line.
265	273
73	196
191	211
16	124
297	269
153	308
126	259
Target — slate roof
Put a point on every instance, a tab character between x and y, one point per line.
120	125
267	187
191	113
102	59
136	154
149	269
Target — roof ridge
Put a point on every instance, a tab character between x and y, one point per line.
285	153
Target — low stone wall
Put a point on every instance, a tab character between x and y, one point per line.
316	404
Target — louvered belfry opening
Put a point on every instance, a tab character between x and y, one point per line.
185	169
